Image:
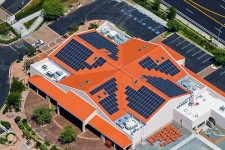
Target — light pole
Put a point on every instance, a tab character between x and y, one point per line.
219	32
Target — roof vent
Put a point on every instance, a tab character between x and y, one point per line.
106	52
135	81
162	58
81	84
104	93
44	67
222	108
145	46
157	61
95	58
87	81
99	97
140	49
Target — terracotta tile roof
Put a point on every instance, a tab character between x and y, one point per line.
76	106
47	87
110	132
126	70
68	101
172	52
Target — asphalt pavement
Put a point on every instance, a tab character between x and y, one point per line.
119	13
13	6
9	54
205	14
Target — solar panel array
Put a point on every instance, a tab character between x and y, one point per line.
75	54
166	67
100	42
144	101
165	86
110	102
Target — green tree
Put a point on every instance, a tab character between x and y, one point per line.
156	4
68	134
17	86
92	26
42	115
173	25
53	9
172	13
31	51
14	99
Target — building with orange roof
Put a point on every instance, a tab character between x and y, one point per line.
125	91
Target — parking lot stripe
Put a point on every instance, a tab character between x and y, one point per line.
186	46
181	42
201	56
206	60
175	39
13	48
191	49
222	73
196	53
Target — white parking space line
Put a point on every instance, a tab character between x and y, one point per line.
13	48
222	73
206	60
175	39
181	42
201	56
189	11
196	53
191	50
186	46
222	6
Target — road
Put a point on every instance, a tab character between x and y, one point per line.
13	6
120	14
208	15
8	54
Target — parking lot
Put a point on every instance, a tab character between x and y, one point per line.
8	55
13	6
195	58
119	13
217	78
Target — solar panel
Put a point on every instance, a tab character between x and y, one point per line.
165	86
75	55
110	102
100	42
144	101
166	67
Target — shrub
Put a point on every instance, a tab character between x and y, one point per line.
17	86
17	119
47	143
20	125
29	23
43	147
67	135
6	124
6	109
38	144
42	115
54	148
3	140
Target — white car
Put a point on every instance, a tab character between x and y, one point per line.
37	43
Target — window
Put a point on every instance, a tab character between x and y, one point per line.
201	124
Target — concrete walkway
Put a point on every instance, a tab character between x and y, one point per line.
1	1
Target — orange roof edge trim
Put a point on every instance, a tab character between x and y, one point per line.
110	131
203	81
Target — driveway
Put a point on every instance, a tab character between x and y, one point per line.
119	13
13	6
8	55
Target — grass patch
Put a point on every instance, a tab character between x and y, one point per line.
32	7
40	25
167	33
29	23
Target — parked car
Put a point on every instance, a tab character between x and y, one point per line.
37	43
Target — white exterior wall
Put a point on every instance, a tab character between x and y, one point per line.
186	122
160	119
181	62
219	119
200	119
